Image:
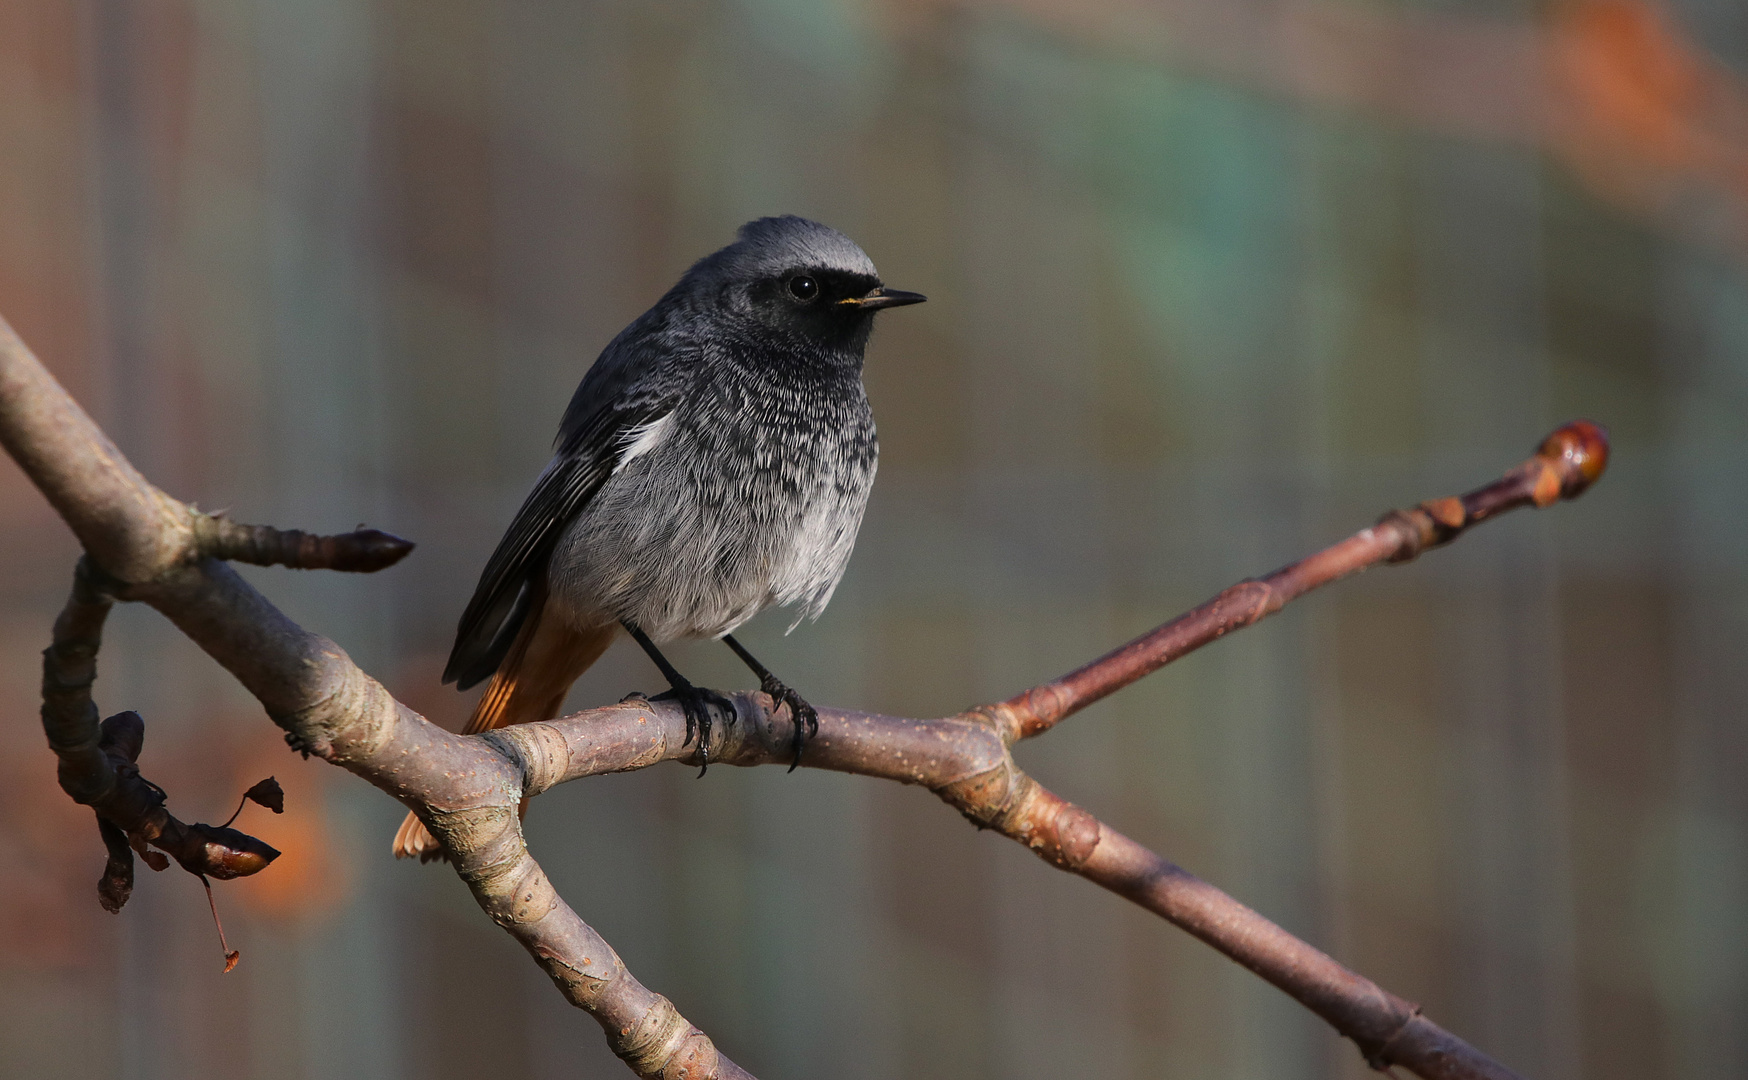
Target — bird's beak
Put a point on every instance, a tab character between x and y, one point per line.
883	298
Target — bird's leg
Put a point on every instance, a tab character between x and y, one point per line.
694	701
805	718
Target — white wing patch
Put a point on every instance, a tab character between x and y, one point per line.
642	439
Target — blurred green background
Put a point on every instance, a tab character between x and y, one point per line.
1212	283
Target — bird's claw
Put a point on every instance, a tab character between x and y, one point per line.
696	703
805	718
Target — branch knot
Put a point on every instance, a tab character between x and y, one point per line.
1415	531
539	750
1379	1057
1055	829
985	797
358	703
1006	799
661	1043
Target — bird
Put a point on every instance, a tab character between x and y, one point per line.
714	461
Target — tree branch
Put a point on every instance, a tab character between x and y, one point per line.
966	761
362	552
1567	463
466	789
97	764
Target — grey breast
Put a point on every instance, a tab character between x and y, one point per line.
734	502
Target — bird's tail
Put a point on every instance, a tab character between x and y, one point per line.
529	686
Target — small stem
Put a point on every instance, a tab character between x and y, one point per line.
242	802
231	955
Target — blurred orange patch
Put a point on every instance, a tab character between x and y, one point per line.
1648	118
307	878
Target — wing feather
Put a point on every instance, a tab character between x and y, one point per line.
637	380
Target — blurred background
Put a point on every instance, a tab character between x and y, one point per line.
1212	283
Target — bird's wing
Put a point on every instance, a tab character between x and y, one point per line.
637	380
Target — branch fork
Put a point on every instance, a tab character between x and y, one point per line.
153	549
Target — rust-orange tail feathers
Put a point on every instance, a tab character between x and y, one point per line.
547	656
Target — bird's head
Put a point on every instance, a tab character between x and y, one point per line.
799	279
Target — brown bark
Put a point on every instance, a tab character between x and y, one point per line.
154	549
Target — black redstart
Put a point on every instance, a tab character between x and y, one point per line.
714	461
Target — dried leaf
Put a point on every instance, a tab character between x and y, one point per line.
117	882
269	794
157	860
231	959
125	734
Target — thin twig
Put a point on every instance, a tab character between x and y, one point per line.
1567	463
362	551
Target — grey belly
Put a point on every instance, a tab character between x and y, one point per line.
655	549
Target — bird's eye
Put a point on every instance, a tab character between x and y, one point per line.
803	287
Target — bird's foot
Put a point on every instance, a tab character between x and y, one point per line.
805	718
697	702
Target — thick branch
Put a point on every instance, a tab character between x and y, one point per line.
966	761
131	528
155	549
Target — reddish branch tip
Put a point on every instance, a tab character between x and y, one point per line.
225	853
1580	452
